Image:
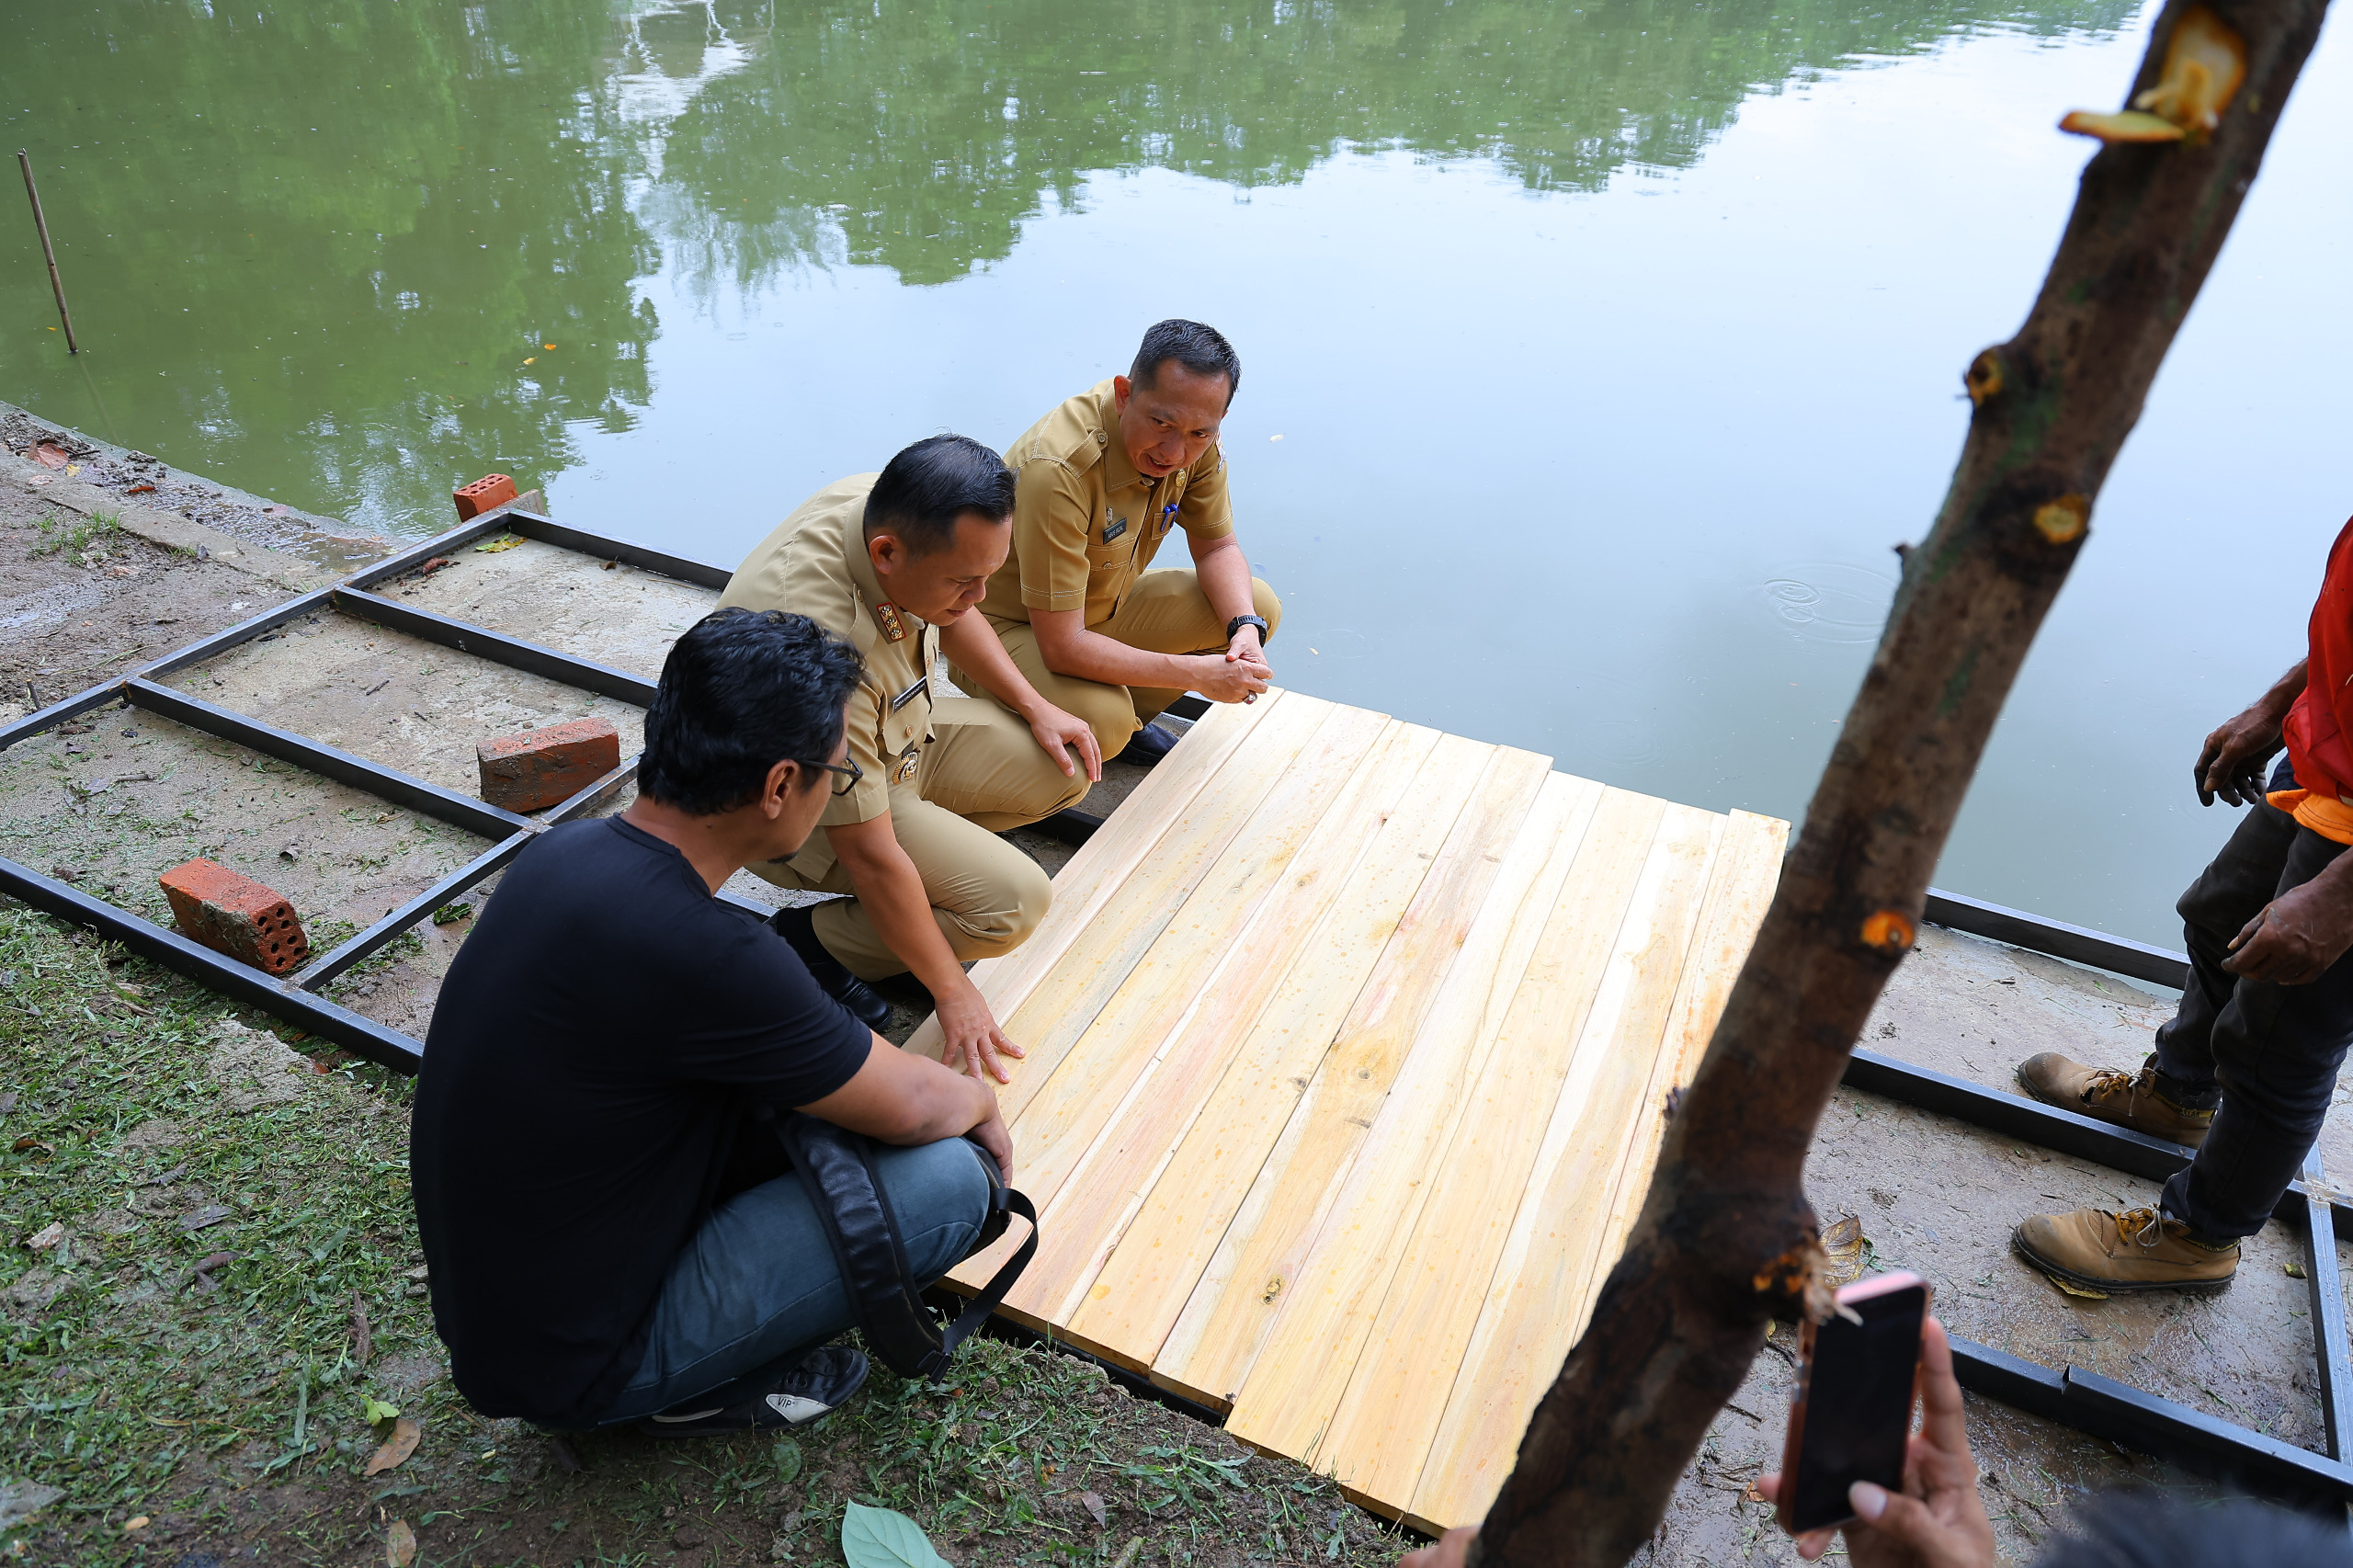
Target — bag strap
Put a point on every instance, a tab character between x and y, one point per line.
992	1295
836	1171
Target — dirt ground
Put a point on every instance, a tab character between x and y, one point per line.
107	801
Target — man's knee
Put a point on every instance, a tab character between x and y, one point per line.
940	1195
1017	894
1266	605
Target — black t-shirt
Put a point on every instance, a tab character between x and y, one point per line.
596	1044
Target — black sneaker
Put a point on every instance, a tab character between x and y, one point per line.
1147	747
799	928
823	1380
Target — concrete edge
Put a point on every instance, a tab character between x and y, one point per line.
162	529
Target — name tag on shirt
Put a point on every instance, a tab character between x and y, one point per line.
920	688
1114	528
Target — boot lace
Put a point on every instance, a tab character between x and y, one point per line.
2143	1227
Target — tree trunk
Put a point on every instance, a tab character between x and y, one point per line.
1726	1238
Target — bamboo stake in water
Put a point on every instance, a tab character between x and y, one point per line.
48	252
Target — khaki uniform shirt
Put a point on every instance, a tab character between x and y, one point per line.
1086	523
815	564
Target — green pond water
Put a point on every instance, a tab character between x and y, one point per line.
1594	356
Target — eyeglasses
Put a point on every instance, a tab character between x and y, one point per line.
851	771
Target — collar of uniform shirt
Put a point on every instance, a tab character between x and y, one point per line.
869	582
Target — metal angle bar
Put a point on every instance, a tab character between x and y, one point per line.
2327	1287
430	800
2117	955
499	649
2014	1116
396	921
205	648
416	555
2104	1408
546	530
245	630
240	981
596	794
57	712
320	970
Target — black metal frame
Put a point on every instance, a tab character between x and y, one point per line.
2083	1400
295	998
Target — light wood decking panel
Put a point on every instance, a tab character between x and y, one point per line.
1349	1047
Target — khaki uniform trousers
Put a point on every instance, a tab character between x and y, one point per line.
983	775
1165	612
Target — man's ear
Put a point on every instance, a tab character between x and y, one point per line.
1121	389
782	777
887	553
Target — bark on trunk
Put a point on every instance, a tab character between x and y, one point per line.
1727	1238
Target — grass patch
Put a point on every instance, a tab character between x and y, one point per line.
64	535
238	1414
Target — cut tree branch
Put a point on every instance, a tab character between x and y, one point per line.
1726	1238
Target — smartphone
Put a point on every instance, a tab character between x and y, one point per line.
1859	1379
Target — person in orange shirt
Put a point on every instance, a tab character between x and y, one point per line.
2245	1070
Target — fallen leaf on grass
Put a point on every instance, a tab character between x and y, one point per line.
879	1538
200	1219
497	545
788	1461
50	456
1093	1503
396	1449
378	1411
48	1236
400	1545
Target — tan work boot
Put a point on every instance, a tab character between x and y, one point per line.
2128	1099
2094	1251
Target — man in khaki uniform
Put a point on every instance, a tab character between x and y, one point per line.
888	560
1102	481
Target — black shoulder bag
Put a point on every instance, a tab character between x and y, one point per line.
835	1168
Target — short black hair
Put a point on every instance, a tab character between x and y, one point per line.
929	486
1200	349
743	690
2129	1527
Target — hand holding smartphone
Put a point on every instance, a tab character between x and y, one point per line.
1859	1380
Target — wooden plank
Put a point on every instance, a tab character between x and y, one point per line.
1353	755
1451	1218
1515	1351
1263	1236
1064	1001
1103	864
1488	1253
1157	1209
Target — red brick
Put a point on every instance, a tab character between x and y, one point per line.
490	490
236	915
540	769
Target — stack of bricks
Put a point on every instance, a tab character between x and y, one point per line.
236	915
540	769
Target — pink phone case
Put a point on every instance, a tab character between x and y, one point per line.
1794	1444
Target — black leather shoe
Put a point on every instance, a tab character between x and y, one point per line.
1147	747
820	1381
798	927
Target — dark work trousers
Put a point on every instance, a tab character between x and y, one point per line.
2272	1052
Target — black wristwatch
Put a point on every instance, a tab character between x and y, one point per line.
1239	621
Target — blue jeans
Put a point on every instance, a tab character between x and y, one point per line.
2268	1054
758	1286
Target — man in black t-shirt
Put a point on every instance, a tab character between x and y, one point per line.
611	1232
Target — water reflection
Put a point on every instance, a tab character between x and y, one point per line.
322	249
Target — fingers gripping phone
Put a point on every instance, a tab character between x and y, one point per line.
1858	1380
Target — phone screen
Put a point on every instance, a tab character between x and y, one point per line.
1857	1405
